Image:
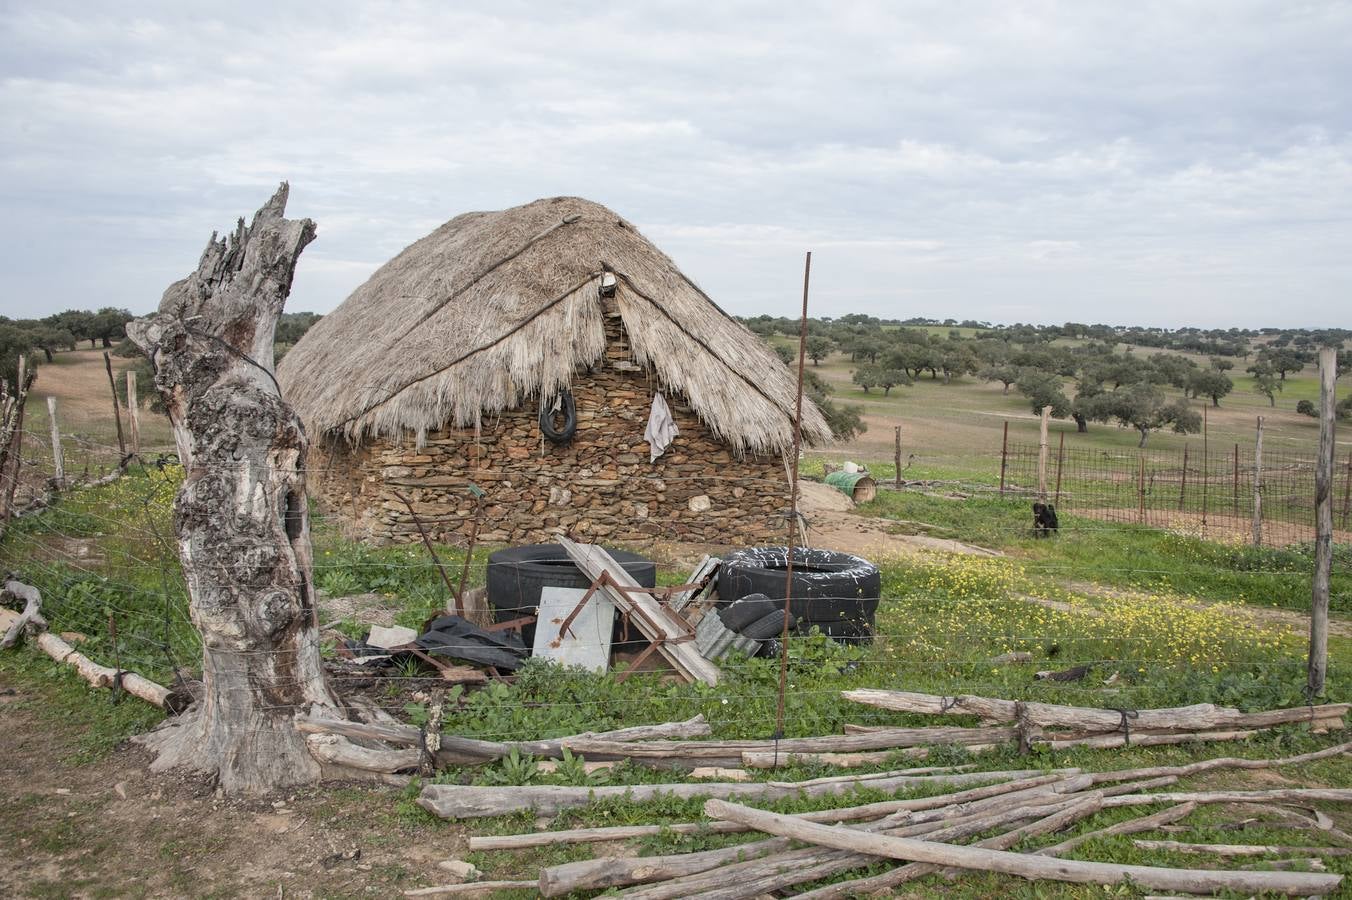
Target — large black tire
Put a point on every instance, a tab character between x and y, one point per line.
766	627
827	586
736	616
518	574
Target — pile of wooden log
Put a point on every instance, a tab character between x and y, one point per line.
1054	727
928	834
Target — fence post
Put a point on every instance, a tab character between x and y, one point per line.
134	412
16	445
1060	456
1042	454
1323	527
1140	491
117	412
1236	487
58	458
1258	486
1004	457
1347	491
1183	483
897	457
1206	465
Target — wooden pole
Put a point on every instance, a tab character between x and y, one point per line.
793	505
15	460
1323	527
1004	457
1183	483
1206	460
117	412
134	413
897	457
1347	491
1235	489
1140	491
1258	486
1060	457
58	458
1042	453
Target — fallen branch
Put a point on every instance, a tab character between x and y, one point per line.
1131	826
1221	762
1280	795
32	603
456	802
1199	717
847	814
101	676
1229	850
473	887
1037	867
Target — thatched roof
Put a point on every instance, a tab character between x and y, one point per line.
493	308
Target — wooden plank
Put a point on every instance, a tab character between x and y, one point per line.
650	617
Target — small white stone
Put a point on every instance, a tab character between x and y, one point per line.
700	503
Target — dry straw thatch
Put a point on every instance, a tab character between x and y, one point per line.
494	309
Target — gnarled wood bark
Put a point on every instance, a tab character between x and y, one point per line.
240	517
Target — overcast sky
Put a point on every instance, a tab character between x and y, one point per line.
1147	163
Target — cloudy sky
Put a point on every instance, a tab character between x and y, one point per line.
1156	163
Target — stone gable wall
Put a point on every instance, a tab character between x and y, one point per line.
599	486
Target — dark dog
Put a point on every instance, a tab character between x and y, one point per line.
1044	519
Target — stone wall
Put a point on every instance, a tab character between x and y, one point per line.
601	485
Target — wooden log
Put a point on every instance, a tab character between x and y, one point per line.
1110	741
889	739
469	889
1231	850
611	871
1279	795
1198	717
1056	820
758	877
338	751
456	750
1226	762
1035	867
1130	826
15	623
134	413
58	457
1317	665
667	631
846	814
458	802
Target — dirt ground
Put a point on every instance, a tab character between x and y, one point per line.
110	828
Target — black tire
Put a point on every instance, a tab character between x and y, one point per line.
736	616
766	627
518	574
827	586
559	435
844	631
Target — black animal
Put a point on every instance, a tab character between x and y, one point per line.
1044	519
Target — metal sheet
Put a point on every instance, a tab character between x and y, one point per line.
587	643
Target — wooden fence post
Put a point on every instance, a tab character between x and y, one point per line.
58	458
1236	487
1004	457
1183	483
117	412
1060	457
133	411
15	461
896	482
1347	491
1323	527
1042	454
1258	486
1140	491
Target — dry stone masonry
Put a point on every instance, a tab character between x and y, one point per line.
600	485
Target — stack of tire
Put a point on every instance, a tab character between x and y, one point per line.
836	593
518	574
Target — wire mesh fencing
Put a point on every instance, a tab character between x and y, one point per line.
1228	494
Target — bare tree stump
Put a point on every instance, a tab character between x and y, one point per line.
240	517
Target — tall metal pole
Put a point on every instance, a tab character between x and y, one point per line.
1323	527
1004	457
793	504
1060	457
1206	459
1258	486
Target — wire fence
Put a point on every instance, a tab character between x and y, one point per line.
1228	494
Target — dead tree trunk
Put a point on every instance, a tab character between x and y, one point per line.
240	517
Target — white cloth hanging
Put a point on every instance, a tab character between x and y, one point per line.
661	430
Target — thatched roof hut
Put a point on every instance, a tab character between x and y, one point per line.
495	308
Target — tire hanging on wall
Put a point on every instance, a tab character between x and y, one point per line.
559	435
